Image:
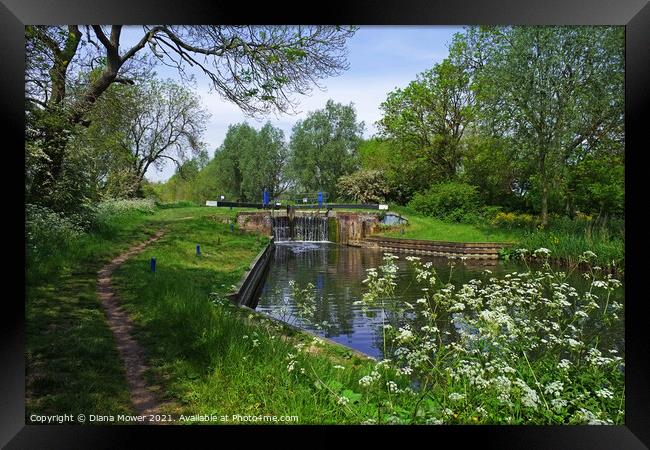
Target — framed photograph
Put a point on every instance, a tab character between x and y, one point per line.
404	217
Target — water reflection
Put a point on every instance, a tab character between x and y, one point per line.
337	273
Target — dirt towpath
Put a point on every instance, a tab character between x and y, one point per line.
132	354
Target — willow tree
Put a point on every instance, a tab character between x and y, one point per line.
324	147
554	93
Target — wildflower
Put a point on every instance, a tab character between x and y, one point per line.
256	343
405	370
455	396
392	386
434	421
339	367
343	400
589	254
405	335
558	403
542	251
554	388
604	393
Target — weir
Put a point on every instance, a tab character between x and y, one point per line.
300	228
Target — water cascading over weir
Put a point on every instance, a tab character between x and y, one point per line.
300	228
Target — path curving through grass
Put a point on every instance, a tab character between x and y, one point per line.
132	354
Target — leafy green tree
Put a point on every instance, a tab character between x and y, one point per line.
264	165
554	92
489	164
426	122
599	184
248	162
148	124
324	147
230	159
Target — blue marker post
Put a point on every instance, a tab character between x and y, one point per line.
198	250
265	198
232	227
320	199
153	265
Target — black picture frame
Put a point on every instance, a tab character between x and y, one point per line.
633	14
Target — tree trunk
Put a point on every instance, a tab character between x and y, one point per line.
544	182
544	204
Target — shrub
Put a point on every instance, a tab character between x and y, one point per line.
177	204
454	201
364	186
105	212
48	234
512	220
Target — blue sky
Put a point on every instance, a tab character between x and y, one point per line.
381	58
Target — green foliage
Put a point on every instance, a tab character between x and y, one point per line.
513	350
452	201
402	176
47	234
490	166
364	186
264	166
512	220
599	185
556	93
425	123
323	148
247	162
567	239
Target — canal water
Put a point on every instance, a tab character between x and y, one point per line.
337	273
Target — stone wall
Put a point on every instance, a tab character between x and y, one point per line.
259	222
353	227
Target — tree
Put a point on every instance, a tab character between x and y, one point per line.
426	122
256	67
162	121
259	68
323	147
599	184
229	160
264	166
554	92
489	165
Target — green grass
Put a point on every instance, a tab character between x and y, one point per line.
201	354
429	228
565	241
72	365
566	247
204	353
